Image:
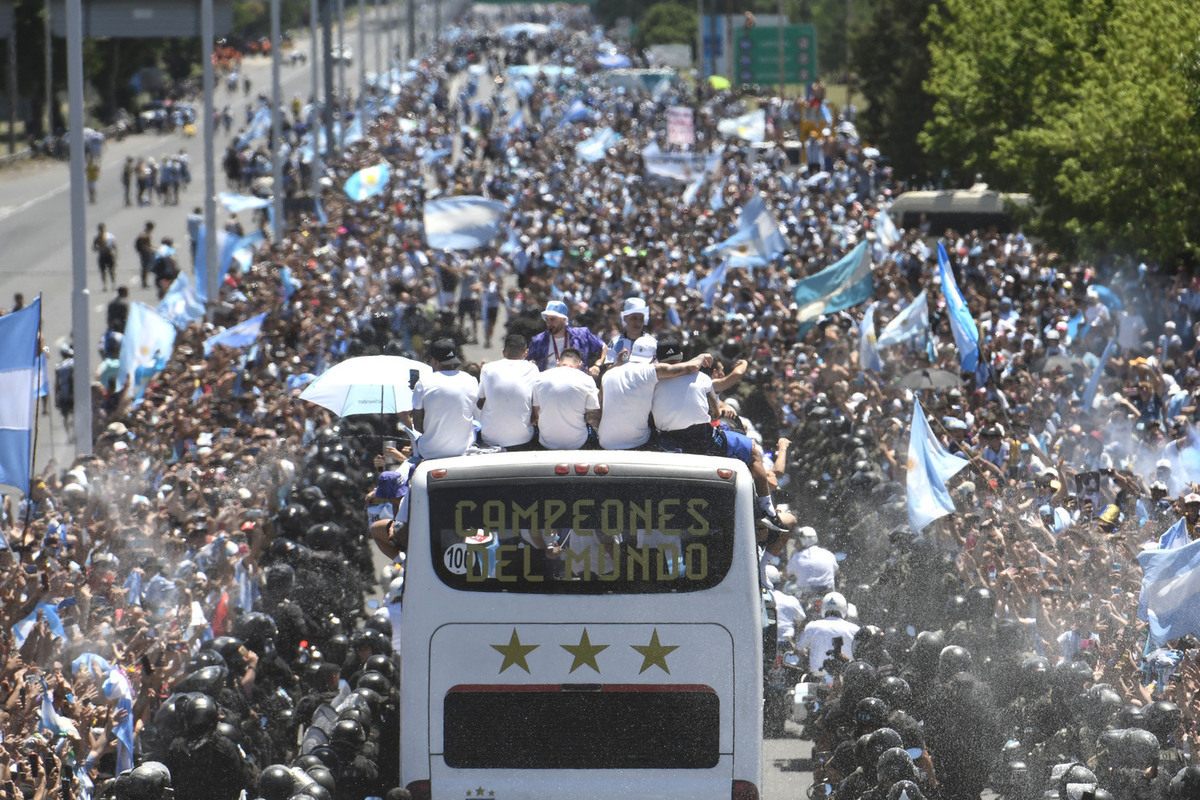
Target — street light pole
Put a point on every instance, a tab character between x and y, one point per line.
276	130
80	300
49	69
211	256
314	117
362	57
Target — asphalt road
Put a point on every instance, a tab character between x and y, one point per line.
35	216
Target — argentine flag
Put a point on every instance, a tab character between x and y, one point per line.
868	351
757	241
236	203
596	146
367	182
462	223
148	343
1170	599
845	283
241	335
962	325
909	324
18	392
929	467
181	304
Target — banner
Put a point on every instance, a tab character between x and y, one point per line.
681	126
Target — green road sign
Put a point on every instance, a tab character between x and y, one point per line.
758	54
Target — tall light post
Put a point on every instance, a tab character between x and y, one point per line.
211	256
79	296
276	131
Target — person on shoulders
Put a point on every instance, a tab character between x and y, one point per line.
506	398
547	347
566	404
627	393
444	405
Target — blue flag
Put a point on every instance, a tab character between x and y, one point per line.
1176	536
23	628
367	182
181	304
909	324
962	325
553	259
18	392
1170	599
708	284
1107	296
462	223
237	203
1093	383
845	283
929	467
576	112
146	348
260	126
241	335
230	249
716	201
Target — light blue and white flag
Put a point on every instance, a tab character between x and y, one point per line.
680	166
844	283
23	628
431	156
553	259
117	688
716	201
886	232
750	127
367	183
18	392
237	203
1176	536
576	112
243	334
1170	599
1093	382
962	325
181	304
868	351
909	324
595	147
354	132
516	121
146	348
757	241
50	721
929	467
693	189
260	126
1107	297
231	249
288	284
462	223
708	284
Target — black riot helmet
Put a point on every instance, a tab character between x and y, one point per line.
868	642
870	714
1186	784
232	650
981	604
199	715
206	680
1162	718
276	783
896	692
1035	676
927	647
374	681
858	681
205	658
323	776
905	790
150	780
348	736
383	665
895	764
953	660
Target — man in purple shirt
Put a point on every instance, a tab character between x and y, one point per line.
547	346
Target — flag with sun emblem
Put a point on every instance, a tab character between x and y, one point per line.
367	182
929	467
149	340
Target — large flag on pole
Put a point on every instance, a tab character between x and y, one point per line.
1170	599
929	467
962	325
845	283
146	348
757	241
18	392
909	324
868	351
462	223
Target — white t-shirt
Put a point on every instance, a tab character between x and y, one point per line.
813	567
628	394
506	387
563	395
818	637
787	611
448	400
681	402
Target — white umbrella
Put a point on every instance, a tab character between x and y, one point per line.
367	385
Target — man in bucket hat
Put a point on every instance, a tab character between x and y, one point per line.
548	346
635	316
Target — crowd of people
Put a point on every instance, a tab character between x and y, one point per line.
193	593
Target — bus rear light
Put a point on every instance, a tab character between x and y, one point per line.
600	469
742	790
421	790
581	469
726	474
437	473
562	469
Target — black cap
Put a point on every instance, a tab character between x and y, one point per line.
670	350
445	352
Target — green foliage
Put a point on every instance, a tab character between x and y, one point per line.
1087	104
891	62
667	23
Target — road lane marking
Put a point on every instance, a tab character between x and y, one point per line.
28	204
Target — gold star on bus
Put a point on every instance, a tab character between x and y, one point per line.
654	654
585	652
514	652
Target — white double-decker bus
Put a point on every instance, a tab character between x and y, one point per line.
581	625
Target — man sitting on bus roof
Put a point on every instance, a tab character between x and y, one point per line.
444	405
546	349
506	398
627	391
566	404
684	409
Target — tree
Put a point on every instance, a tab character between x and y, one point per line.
666	23
891	60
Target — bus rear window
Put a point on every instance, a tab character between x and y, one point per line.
592	536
